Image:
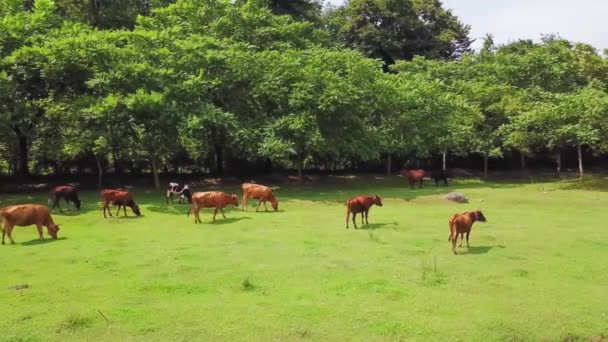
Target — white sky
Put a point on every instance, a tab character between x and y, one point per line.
508	20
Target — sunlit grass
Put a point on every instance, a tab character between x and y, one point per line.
536	270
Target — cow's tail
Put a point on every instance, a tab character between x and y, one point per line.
452	228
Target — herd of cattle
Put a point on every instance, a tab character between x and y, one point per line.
40	215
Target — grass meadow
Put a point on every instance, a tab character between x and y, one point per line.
537	270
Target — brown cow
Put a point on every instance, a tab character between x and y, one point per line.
414	176
261	193
461	224
67	192
211	199
120	198
361	204
27	215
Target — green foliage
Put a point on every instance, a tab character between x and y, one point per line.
208	80
394	30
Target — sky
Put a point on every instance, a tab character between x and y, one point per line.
508	20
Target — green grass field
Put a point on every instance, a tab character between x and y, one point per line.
537	270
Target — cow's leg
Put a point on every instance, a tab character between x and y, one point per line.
363	217
454	238
124	208
215	213
39	228
56	203
258	207
468	239
3	232
461	238
9	232
118	211
245	202
106	207
197	218
354	221
222	210
347	216
265	208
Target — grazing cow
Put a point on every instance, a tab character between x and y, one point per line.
261	193
461	224
27	215
183	193
211	199
361	204
120	198
414	176
439	175
66	192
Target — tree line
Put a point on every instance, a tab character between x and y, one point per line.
200	85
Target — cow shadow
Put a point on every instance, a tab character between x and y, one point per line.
121	217
264	212
171	209
67	213
222	221
480	249
373	226
35	242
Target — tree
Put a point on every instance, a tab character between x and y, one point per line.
399	29
20	28
318	101
579	120
309	10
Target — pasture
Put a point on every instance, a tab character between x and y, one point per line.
537	270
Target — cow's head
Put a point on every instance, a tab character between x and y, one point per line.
135	208
53	231
274	202
234	200
378	200
479	216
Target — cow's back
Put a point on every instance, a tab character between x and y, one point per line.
414	174
64	190
462	222
26	214
256	191
359	204
208	199
116	195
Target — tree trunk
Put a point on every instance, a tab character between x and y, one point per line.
300	166
522	159
559	161
155	173
117	170
99	173
23	167
580	160
219	160
268	166
389	164
444	158
485	165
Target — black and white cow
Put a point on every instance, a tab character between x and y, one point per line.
182	191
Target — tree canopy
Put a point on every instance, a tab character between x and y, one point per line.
214	85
